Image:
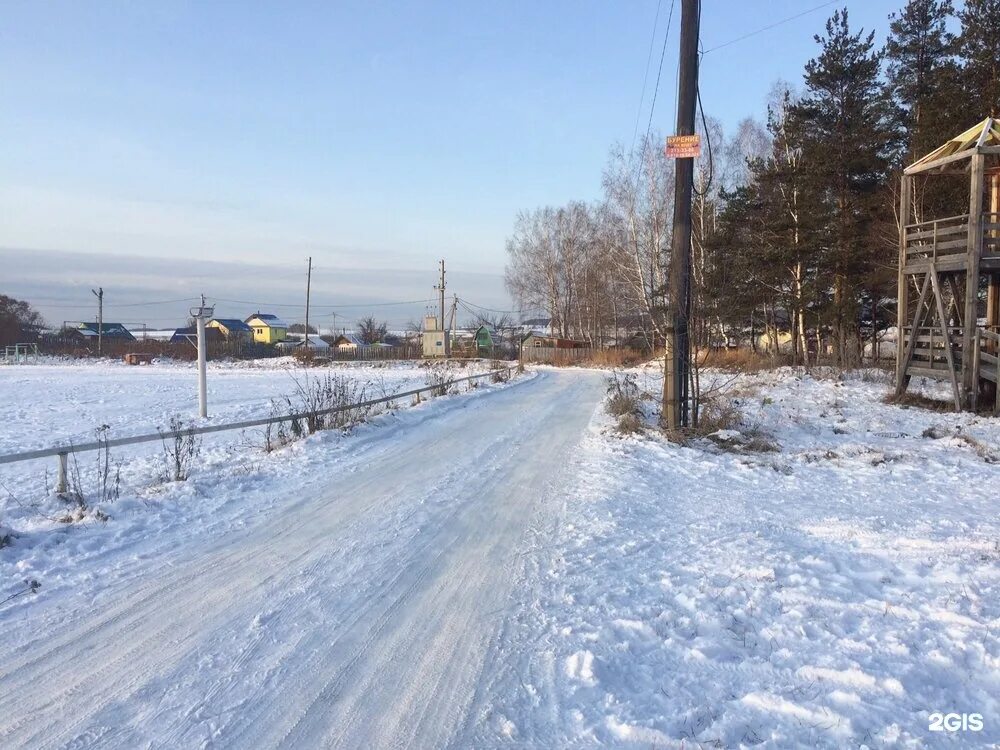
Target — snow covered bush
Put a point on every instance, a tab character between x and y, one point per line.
107	485
623	401
440	382
179	451
500	372
319	396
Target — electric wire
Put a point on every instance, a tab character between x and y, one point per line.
762	29
645	79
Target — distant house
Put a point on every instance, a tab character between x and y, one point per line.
552	342
190	334
316	344
537	325
231	328
484	338
267	328
348	342
110	331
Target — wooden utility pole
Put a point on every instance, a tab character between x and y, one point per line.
100	317
309	274
677	361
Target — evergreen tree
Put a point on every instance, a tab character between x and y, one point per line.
922	74
793	217
979	46
847	120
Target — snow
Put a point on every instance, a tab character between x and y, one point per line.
65	401
502	568
342	591
830	594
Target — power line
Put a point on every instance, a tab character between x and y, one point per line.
645	78
656	89
325	307
762	29
490	309
704	122
659	70
41	301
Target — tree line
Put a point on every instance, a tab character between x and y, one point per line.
795	214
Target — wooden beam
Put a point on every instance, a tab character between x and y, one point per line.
948	355
939	162
972	273
905	379
902	287
955	297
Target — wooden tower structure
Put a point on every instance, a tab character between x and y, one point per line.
943	265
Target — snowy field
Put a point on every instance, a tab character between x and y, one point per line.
67	400
502	568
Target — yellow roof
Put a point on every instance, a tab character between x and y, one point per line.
985	133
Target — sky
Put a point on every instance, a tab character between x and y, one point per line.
166	149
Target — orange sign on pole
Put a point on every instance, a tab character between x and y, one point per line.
683	146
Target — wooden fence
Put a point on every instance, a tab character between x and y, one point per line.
551	355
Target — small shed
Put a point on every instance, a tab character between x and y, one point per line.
551	342
485	339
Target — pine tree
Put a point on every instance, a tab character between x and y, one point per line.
979	46
922	74
847	120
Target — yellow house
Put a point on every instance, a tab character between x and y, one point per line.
266	328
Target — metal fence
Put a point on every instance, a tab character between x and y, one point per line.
20	354
62	451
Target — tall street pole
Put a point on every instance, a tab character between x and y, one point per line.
309	274
675	404
100	317
441	324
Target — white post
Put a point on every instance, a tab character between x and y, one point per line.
202	367
200	315
61	476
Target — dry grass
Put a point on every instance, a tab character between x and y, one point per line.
981	449
618	358
743	360
630	424
723	415
919	401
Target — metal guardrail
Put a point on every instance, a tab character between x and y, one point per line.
62	451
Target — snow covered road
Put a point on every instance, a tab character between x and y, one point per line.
358	613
